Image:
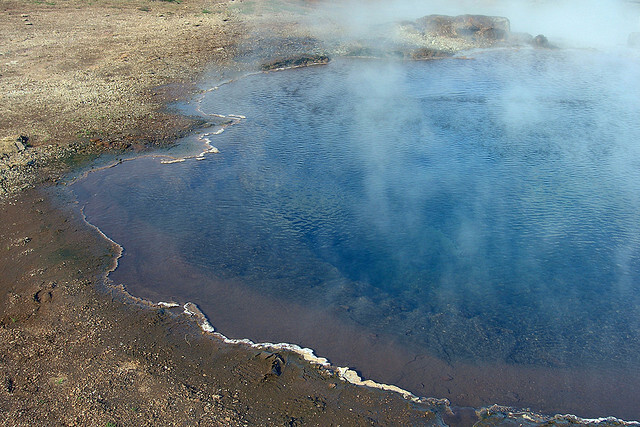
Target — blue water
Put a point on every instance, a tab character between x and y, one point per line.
483	212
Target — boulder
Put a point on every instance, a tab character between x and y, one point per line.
13	144
303	60
541	42
473	27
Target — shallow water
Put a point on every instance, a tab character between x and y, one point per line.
467	229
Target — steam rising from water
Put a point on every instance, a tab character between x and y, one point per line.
484	210
456	204
569	23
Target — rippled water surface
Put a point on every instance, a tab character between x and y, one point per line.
467	229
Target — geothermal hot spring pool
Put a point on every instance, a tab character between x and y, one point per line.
465	229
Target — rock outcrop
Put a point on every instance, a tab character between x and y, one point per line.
426	53
13	144
438	36
303	60
477	28
541	41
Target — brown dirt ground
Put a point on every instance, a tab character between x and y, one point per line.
77	69
81	77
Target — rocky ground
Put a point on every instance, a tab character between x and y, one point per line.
80	77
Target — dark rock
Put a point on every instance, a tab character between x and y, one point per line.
541	42
303	60
426	53
8	384
634	40
42	296
274	365
277	363
21	142
474	27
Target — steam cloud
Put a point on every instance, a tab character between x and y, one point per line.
569	23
